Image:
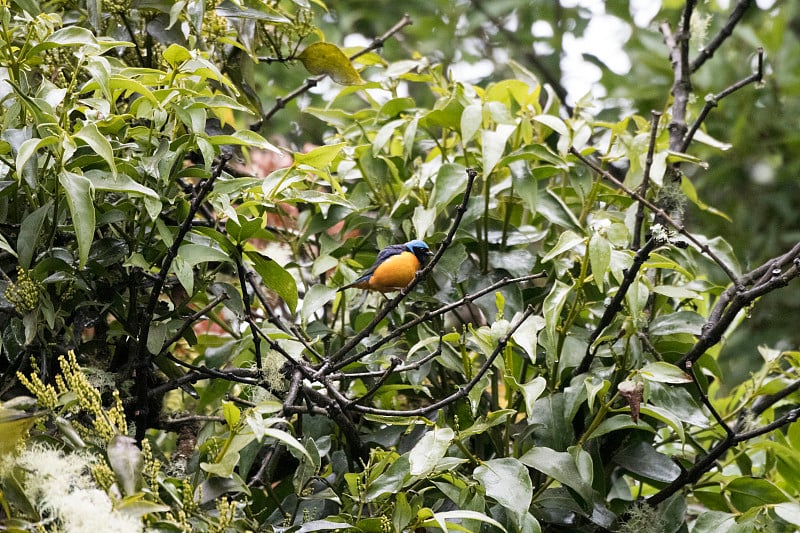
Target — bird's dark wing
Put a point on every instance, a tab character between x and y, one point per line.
383	255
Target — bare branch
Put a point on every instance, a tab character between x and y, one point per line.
733	19
616	302
142	357
310	83
660	212
431	314
713	100
191	320
655	117
462	391
361	335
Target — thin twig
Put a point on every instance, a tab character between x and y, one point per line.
462	391
713	100
310	83
724	313
660	212
191	320
733	19
616	302
655	116
369	328
425	317
142	356
678	45
393	364
402	368
248	310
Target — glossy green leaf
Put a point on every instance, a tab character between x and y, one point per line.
506	481
320	157
79	195
640	458
566	241
429	450
559	466
29	232
98	142
493	145
599	258
277	279
531	391
678	322
747	492
664	373
244	138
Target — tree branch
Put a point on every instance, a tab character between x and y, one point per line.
361	335
713	100
462	391
655	117
143	358
657	210
310	83
733	19
616	302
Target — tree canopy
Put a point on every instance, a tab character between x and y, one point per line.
602	339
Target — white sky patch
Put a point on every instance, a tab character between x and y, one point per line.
465	72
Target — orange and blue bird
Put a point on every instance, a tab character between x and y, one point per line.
394	268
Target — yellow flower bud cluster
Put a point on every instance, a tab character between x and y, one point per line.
24	293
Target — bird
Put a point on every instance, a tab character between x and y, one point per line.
394	268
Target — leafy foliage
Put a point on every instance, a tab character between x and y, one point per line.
554	366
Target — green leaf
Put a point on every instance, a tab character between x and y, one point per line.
81	206
194	254
316	297
326	59
664	373
277	279
678	322
324	525
747	492
429	450
176	55
640	458
231	413
531	392
493	144
29	232
506	481
244	138
440	519
391	480
618	422
599	258
29	148
126	459
14	426
559	466
526	335
554	123
262	427
98	142
566	241
790	512
320	157
666	416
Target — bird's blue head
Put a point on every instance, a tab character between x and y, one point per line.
420	249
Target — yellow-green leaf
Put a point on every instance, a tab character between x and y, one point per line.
329	60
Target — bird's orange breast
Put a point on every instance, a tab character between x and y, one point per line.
395	273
